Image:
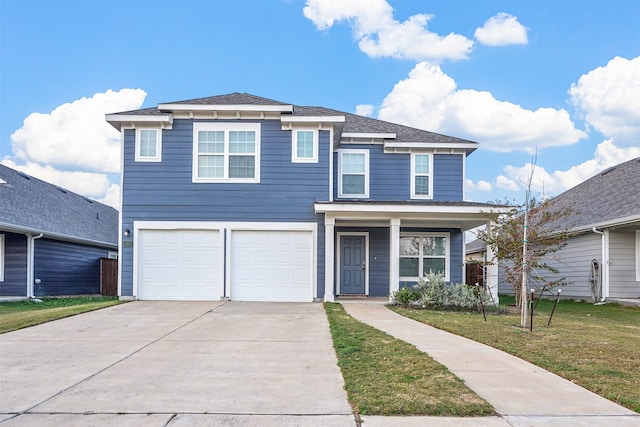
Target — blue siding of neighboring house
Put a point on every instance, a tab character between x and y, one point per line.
15	266
66	268
390	174
164	191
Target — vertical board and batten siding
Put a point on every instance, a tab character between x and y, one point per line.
66	268
15	266
164	191
390	174
622	267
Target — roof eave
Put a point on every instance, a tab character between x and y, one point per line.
118	121
12	228
395	146
223	107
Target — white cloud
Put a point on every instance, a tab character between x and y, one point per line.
607	154
380	35
506	184
429	99
75	135
481	185
73	146
502	29
609	99
364	110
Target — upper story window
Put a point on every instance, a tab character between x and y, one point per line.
226	152
304	147
148	145
421	177
423	253
353	173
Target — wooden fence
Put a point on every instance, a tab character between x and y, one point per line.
109	277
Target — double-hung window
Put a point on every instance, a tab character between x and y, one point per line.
148	145
226	152
304	148
353	173
421	177
422	254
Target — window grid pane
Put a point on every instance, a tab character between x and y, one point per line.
242	141
242	167
421	164
432	265
422	185
210	141
148	143
352	184
353	163
211	166
304	144
409	267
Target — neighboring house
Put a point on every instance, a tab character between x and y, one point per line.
51	240
603	259
476	261
241	197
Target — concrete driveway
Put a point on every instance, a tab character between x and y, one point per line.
175	363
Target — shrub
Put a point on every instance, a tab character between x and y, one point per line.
405	297
436	294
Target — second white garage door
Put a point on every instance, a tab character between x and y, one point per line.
271	266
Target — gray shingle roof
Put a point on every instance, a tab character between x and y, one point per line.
608	196
353	123
474	246
35	205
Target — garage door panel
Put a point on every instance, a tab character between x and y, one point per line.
271	265
179	264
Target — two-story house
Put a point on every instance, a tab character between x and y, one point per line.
246	198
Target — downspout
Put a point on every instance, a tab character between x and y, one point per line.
605	265
30	263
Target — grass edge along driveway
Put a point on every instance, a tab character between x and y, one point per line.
597	347
387	376
16	315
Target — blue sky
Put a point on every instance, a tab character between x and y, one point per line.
558	77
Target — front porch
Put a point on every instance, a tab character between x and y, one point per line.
374	248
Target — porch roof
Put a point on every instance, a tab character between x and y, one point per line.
427	213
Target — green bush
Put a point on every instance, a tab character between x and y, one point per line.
434	293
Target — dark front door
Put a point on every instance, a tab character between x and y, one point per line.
353	267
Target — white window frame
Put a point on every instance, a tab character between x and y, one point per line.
637	255
294	146
226	128
366	174
138	156
447	256
414	174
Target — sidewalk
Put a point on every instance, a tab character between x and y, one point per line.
522	393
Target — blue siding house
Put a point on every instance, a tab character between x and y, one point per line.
251	199
51	240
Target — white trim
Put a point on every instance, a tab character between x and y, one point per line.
404	208
467	147
117	120
138	139
294	146
366	174
637	255
369	135
339	236
617	222
330	150
464	178
394	256
229	107
447	255
120	227
226	127
429	176
2	257
272	226
329	260
312	119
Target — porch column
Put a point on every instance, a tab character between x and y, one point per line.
329	259
394	255
491	269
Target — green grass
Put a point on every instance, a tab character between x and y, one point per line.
21	314
597	347
386	376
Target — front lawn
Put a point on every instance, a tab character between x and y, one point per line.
21	314
386	376
597	347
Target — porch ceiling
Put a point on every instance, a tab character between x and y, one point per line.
462	215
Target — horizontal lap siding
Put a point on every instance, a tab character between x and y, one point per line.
164	191
15	266
622	268
66	268
448	177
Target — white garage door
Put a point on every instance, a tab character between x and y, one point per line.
271	266
180	265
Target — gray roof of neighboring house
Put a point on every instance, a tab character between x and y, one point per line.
474	246
608	197
32	205
353	122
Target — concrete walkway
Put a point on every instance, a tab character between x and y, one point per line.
175	364
522	393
